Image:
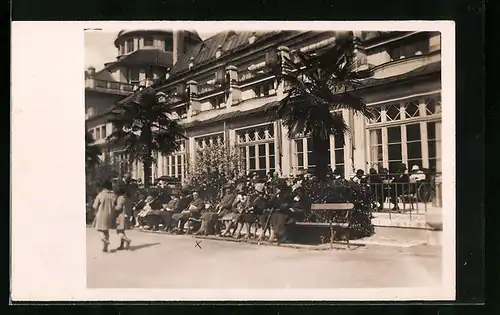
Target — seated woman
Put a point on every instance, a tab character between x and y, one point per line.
146	209
281	203
256	207
153	218
231	219
193	210
209	218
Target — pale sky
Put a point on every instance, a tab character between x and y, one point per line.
99	47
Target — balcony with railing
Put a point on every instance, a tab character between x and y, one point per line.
109	86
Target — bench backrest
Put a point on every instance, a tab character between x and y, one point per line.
332	206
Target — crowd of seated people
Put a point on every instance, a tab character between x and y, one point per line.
251	207
245	208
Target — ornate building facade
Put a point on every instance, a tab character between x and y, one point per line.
223	89
143	56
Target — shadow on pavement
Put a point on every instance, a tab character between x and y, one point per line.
136	247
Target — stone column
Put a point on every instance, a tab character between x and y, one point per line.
178	45
360	56
283	52
194	103
234	89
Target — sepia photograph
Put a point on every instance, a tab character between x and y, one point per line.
264	158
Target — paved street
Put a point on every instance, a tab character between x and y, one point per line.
169	261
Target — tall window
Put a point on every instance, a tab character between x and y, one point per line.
133	76
175	164
256	147
339	160
414	145
394	148
98	133
376	156
130	45
168	43
149	41
104	132
305	157
406	132
434	145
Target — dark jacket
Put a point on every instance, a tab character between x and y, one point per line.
301	202
281	201
198	204
227	201
258	204
401	178
174	205
374	179
184	202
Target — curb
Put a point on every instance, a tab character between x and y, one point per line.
321	247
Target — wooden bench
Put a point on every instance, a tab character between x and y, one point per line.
333	211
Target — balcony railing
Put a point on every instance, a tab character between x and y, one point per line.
109	85
413	197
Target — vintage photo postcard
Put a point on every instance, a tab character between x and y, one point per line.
245	161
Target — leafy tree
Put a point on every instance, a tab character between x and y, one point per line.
213	167
319	85
144	127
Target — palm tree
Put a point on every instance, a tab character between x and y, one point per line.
142	125
92	152
319	85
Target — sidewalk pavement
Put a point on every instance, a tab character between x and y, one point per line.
384	236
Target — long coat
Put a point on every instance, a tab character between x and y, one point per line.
105	204
124	212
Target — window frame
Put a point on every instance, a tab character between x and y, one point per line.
268	140
130	45
424	117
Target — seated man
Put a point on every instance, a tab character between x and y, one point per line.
193	210
164	215
209	219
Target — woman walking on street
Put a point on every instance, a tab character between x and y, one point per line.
105	218
124	211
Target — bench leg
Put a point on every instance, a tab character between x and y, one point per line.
348	238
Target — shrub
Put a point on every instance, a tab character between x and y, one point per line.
344	191
213	167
